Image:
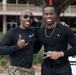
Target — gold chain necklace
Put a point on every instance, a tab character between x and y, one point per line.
51	32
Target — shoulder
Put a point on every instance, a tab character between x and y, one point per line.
12	31
67	31
36	29
64	28
41	29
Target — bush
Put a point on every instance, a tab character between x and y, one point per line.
38	58
1	35
3	58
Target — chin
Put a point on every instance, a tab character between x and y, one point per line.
49	23
27	26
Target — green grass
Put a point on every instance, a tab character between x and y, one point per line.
1	35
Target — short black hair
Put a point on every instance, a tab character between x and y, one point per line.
48	5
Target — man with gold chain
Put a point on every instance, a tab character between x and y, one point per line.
55	38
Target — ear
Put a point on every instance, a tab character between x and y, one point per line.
42	16
20	17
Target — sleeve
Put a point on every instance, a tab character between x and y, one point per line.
6	46
72	41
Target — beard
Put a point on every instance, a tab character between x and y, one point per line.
25	25
49	23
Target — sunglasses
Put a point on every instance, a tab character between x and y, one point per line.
26	16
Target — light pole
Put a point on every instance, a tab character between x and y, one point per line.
50	2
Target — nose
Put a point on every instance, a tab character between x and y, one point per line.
48	15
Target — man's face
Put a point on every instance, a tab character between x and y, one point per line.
26	19
49	15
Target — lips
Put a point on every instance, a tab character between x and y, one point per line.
49	20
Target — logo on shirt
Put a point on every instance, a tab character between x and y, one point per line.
58	35
31	35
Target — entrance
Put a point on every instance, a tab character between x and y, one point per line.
11	25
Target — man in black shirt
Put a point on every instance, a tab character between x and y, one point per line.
19	44
55	38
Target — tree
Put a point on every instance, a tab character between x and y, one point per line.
60	5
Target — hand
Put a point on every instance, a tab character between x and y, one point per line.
21	42
64	24
55	55
48	54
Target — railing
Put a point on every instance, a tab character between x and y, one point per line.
32	7
19	7
71	9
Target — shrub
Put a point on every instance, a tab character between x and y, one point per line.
3	58
1	35
38	58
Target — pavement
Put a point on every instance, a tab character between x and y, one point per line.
37	73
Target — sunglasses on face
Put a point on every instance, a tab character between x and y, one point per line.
26	16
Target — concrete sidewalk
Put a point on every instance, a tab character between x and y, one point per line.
37	73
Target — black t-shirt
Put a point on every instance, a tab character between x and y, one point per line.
58	41
8	45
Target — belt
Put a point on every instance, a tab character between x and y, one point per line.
54	64
25	66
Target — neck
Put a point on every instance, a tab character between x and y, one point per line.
51	26
23	27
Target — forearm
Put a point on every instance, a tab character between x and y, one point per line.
8	49
70	52
54	54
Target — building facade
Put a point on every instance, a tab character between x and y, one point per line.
10	11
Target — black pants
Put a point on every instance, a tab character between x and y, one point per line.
64	70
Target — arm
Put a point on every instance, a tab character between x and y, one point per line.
72	41
70	37
8	50
6	46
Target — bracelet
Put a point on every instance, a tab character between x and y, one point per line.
62	53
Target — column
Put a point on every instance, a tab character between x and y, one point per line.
4	24
4	5
16	1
